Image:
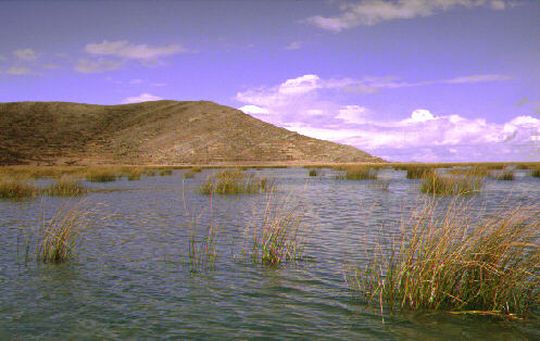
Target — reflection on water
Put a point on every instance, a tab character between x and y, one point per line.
130	278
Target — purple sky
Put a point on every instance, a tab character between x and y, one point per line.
422	80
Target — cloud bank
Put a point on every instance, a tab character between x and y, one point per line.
304	104
372	12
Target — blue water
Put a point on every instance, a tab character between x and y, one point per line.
130	278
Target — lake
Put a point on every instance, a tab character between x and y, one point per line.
130	277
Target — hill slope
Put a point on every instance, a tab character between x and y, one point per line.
160	132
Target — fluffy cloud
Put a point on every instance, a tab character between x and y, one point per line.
18	71
144	97
307	105
127	50
25	54
371	12
97	66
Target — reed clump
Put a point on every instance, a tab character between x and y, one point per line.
165	172
419	172
359	173
235	182
313	172
535	173
436	184
505	174
66	186
101	174
57	237
444	262
202	252
470	171
16	188
277	237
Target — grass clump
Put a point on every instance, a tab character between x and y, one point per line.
16	188
360	173
436	184
235	182
536	173
418	172
313	172
277	237
165	172
66	186
58	236
444	262
101	175
505	174
202	252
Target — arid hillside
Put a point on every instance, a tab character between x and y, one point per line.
161	132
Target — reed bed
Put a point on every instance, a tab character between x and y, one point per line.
433	183
359	173
102	174
58	236
15	188
444	262
505	174
419	172
235	182
66	186
276	237
477	171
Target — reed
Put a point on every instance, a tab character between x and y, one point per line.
535	173
202	252
277	236
102	174
66	186
419	172
433	183
477	171
313	172
15	188
57	237
165	172
235	182
359	173
444	262
505	174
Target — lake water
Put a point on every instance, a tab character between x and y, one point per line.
130	278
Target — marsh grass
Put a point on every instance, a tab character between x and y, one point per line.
235	182
359	173
276	237
102	174
505	174
444	262
535	173
58	236
202	252
15	188
66	186
436	184
470	171
165	172
313	172
419	172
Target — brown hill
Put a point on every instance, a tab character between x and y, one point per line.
160	132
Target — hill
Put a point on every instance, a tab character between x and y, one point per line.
159	132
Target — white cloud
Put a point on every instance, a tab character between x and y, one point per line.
309	105
371	12
127	50
18	71
25	54
253	109
144	97
97	66
136	81
294	45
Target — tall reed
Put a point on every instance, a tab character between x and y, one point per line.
360	173
445	262
433	183
277	236
235	182
15	188
57	237
66	186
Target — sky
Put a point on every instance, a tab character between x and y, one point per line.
406	80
